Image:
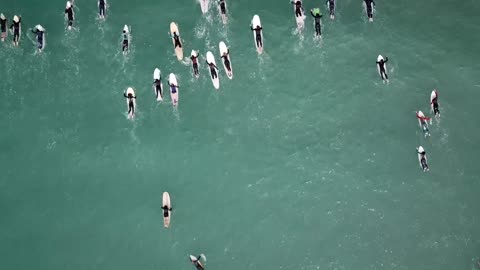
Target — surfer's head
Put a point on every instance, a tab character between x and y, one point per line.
2	16
69	5
15	19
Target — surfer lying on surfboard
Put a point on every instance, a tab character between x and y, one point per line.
3	26
126	38
331	7
213	69
423	158
15	27
101	8
39	31
131	107
165	210
196	261
158	87
298	8
317	15
369	5
423	122
70	14
434	103
176	38
194	58
226	61
381	65
258	34
223	10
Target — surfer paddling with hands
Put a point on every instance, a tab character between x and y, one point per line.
39	31
298	8
317	15
101	8
226	61
194	58
126	39
213	69
176	38
381	66
258	34
369	4
422	158
70	14
331	7
422	121
131	107
434	103
3	26
196	261
16	28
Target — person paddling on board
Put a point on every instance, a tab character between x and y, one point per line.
165	210
423	158
39	31
258	34
317	15
15	27
226	61
126	39
157	83
434	103
298	8
3	26
131	107
213	70
369	4
381	65
176	38
70	14
331	7
194	58
223	9
197	263
101	8
423	122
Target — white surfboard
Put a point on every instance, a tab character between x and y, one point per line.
223	16
215	81
380	57
195	53
174	96
157	76
166	202
132	114
256	22
301	19
204	5
178	50
223	49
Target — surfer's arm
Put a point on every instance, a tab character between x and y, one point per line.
125	95
386	59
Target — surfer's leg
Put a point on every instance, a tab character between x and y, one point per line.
318	29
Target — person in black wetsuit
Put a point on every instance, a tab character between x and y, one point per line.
258	34
298	8
125	39
381	64
101	8
157	83
70	14
165	210
369	5
226	61
197	263
317	15
213	70
176	38
223	10
331	7
131	107
39	31
3	27
194	58
436	110
16	24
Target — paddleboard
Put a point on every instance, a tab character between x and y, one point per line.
166	202
223	16
380	57
211	59
195	53
178	50
157	76
204	5
300	19
223	49
174	96
256	22
132	114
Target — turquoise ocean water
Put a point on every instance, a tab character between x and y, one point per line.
305	160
